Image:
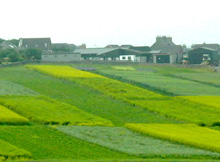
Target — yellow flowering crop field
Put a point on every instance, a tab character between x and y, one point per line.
175	108
207	100
188	134
63	71
9	117
44	110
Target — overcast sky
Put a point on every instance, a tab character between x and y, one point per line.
101	22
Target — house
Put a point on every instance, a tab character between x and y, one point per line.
196	56
41	43
169	51
7	45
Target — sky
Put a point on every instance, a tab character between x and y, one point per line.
98	23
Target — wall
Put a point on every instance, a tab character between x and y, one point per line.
67	57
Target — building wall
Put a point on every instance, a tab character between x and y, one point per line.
128	58
61	57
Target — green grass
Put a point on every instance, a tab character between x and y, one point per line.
47	143
124	140
45	110
82	97
10	151
9	117
188	134
139	160
175	86
211	78
10	88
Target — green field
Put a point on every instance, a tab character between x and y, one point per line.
189	134
175	108
47	143
10	151
124	140
175	86
62	114
48	111
10	88
9	117
86	99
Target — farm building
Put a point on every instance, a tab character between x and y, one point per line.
169	51
41	43
118	54
196	56
210	46
63	47
60	57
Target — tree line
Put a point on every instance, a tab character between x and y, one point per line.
18	55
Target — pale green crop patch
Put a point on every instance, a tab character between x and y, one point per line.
10	88
124	140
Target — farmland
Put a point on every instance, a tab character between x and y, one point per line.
9	117
182	133
175	108
60	113
126	141
114	113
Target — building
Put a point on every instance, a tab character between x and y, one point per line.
169	51
63	47
60	57
41	43
213	46
196	56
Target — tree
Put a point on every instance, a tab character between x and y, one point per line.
33	54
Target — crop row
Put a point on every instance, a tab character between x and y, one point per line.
42	109
12	152
188	134
127	141
10	88
175	108
9	117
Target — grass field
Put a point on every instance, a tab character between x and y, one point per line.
86	99
9	117
45	110
188	134
124	140
47	143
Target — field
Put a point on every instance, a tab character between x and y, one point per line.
124	140
188	134
114	113
178	109
9	151
86	99
59	113
9	117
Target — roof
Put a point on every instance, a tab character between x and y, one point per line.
169	48
42	43
208	49
97	51
210	46
112	46
141	48
7	45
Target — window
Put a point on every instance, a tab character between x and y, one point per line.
36	45
26	45
123	58
45	44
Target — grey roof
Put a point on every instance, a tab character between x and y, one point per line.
97	51
42	43
166	45
210	46
7	45
209	49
